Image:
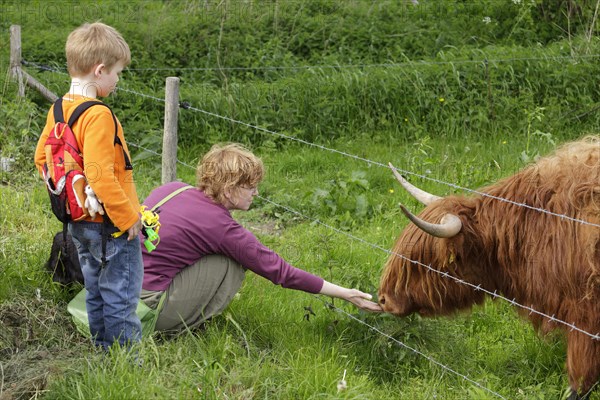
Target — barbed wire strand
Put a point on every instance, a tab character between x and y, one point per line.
408	64
445	274
400	343
371	162
464	377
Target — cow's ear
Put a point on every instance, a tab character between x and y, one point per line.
451	257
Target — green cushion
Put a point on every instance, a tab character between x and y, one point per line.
77	309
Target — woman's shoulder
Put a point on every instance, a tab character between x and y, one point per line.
175	185
163	191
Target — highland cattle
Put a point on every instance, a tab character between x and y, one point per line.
533	237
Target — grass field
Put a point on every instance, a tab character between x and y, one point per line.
454	105
269	344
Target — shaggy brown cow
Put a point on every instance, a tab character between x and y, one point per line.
540	260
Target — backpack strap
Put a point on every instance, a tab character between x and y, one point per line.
170	196
79	110
58	111
83	107
160	203
128	166
59	114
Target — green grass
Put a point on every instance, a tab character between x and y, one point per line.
439	115
264	346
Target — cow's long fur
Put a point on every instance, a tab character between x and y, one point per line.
545	262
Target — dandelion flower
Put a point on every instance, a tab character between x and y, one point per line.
391	190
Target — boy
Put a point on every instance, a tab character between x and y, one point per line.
96	55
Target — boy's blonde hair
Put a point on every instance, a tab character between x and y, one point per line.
93	44
228	166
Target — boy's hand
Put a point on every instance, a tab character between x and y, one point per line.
134	231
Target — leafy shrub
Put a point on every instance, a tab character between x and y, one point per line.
343	198
476	78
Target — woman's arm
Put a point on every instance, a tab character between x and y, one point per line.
356	297
241	245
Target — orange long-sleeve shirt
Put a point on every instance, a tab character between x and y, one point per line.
103	161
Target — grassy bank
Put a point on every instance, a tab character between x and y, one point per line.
455	105
269	344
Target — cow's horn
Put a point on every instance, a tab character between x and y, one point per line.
448	227
421	195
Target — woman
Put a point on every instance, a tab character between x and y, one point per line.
200	262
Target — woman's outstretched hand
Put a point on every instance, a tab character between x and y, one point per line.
359	299
362	301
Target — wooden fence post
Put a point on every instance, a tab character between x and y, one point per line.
15	57
17	72
169	155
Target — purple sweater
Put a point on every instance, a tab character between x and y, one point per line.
193	226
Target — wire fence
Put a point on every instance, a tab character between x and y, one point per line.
494	294
408	64
595	336
372	162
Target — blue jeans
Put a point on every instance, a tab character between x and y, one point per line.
113	291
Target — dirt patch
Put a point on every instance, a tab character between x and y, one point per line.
259	223
267	227
36	341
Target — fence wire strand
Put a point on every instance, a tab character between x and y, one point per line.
494	294
371	162
379	164
407	64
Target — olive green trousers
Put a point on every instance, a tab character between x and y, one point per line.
197	293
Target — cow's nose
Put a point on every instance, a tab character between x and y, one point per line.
382	299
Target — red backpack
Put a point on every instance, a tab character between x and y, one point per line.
63	169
